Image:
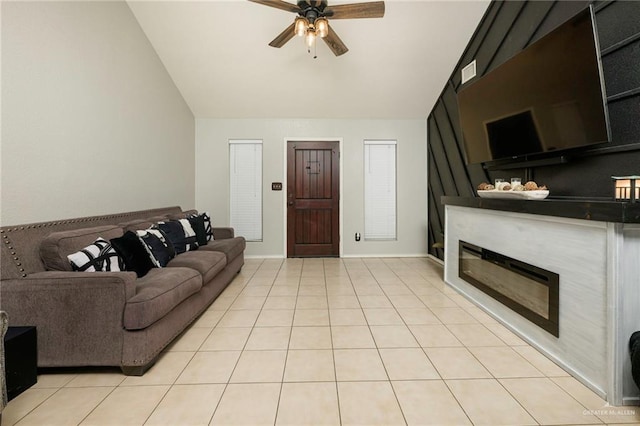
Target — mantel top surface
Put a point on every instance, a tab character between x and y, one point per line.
604	211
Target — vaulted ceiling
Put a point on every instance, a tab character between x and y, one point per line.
218	56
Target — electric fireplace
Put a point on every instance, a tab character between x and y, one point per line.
530	291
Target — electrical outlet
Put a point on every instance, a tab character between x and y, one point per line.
357	236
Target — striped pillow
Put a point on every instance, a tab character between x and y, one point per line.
99	256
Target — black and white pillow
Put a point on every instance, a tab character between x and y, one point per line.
99	256
132	251
207	225
180	234
197	223
206	221
159	249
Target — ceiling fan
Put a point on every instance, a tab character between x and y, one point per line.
312	20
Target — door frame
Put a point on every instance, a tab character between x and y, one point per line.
285	189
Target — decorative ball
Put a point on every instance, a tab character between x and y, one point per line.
530	186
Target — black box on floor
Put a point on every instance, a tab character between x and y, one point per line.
21	359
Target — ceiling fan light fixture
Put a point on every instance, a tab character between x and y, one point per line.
310	38
301	26
322	27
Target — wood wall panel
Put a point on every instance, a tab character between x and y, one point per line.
508	14
617	23
475	43
506	28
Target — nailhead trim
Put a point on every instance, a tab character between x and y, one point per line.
16	258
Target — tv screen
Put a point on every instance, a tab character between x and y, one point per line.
549	97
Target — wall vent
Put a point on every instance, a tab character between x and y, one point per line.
469	72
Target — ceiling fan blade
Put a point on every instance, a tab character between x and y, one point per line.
283	37
335	44
358	10
279	4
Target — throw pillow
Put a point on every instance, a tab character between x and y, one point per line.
197	223
180	234
99	256
131	250
206	218
207	225
159	249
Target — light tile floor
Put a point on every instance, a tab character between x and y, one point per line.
329	341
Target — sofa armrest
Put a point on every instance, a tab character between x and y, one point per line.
78	315
223	233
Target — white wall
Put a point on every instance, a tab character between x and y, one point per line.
212	177
91	121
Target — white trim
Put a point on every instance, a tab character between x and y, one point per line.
262	256
614	366
258	229
435	259
380	142
378	194
285	189
386	255
246	141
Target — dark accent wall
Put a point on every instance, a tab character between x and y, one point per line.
506	28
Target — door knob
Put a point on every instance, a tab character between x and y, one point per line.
290	203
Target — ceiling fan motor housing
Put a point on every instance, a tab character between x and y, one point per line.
312	9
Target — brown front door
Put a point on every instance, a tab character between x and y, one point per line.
313	199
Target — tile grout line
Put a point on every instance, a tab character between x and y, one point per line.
286	357
386	371
226	385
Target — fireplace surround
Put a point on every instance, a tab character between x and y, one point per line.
594	247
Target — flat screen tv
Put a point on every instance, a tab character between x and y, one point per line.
550	97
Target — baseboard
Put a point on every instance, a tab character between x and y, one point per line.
631	400
386	256
435	259
347	256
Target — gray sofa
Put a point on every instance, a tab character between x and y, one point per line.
108	318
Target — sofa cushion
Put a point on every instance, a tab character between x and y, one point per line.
183	215
133	253
140	224
208	263
99	256
136	225
55	248
231	247
157	293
